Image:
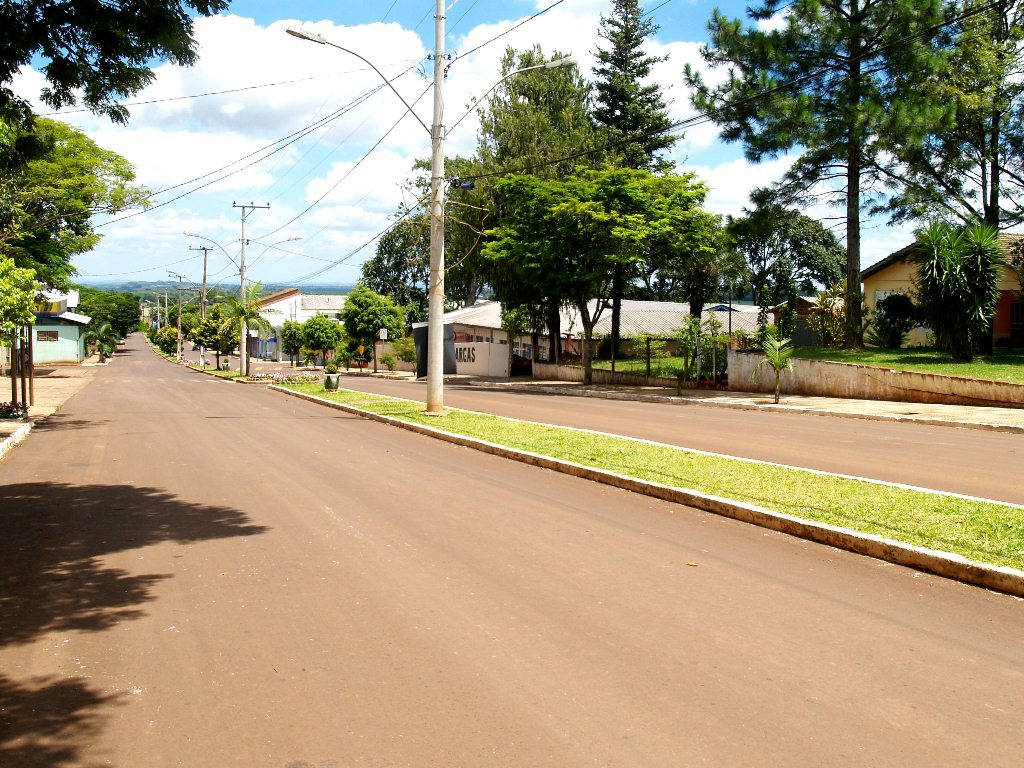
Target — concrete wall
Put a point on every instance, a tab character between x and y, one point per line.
552	372
68	348
812	377
481	358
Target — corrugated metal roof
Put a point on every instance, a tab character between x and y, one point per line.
654	318
323	302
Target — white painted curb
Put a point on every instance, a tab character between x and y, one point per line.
14	438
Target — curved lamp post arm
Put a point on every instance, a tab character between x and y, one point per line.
564	62
313	37
211	240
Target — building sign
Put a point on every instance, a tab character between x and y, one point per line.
465	354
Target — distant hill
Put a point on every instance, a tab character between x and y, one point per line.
147	287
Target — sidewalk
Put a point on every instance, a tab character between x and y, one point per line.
966	416
54	386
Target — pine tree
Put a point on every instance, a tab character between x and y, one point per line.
632	111
840	82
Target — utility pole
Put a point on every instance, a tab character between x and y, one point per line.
435	286
243	341
202	302
175	274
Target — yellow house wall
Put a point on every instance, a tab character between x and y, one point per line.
900	277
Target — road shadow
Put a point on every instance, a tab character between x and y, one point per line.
52	540
59	421
42	721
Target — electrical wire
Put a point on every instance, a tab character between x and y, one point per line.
502	34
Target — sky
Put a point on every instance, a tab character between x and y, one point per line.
267	118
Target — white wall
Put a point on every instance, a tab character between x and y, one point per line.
481	359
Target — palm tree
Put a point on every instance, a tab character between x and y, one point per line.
245	312
958	284
103	339
777	354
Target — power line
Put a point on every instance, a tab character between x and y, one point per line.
507	31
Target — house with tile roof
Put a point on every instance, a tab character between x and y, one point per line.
895	274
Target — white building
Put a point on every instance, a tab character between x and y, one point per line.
292	304
481	344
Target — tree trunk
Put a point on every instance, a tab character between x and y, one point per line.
853	331
554	333
617	278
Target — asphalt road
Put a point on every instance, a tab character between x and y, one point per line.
198	573
975	462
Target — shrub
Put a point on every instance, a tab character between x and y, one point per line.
895	315
12	411
389	362
331	367
405	349
166	340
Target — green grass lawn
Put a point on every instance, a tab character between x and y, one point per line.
1003	365
661	366
983	531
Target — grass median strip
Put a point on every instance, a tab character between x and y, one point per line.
987	532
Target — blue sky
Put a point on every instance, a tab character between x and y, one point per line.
216	134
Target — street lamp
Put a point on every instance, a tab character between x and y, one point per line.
435	284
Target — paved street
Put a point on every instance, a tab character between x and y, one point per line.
975	462
199	573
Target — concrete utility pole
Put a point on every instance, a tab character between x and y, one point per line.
243	341
435	286
180	277
202	302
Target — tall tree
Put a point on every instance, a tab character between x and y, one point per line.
971	168
837	81
538	122
366	313
785	251
96	51
18	292
630	109
57	193
564	237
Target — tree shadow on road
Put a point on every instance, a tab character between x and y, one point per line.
52	539
42	721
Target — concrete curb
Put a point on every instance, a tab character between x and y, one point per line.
770	407
14	438
946	564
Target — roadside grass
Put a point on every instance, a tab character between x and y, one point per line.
667	367
1003	365
988	532
213	371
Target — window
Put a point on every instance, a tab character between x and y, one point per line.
46	336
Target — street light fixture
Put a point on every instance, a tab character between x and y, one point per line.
435	284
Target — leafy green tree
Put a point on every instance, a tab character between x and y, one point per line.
400	268
321	334
564	238
166	340
291	339
537	120
102	339
787	253
57	194
96	51
366	312
840	82
971	167
777	356
18	292
121	310
957	284
211	333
